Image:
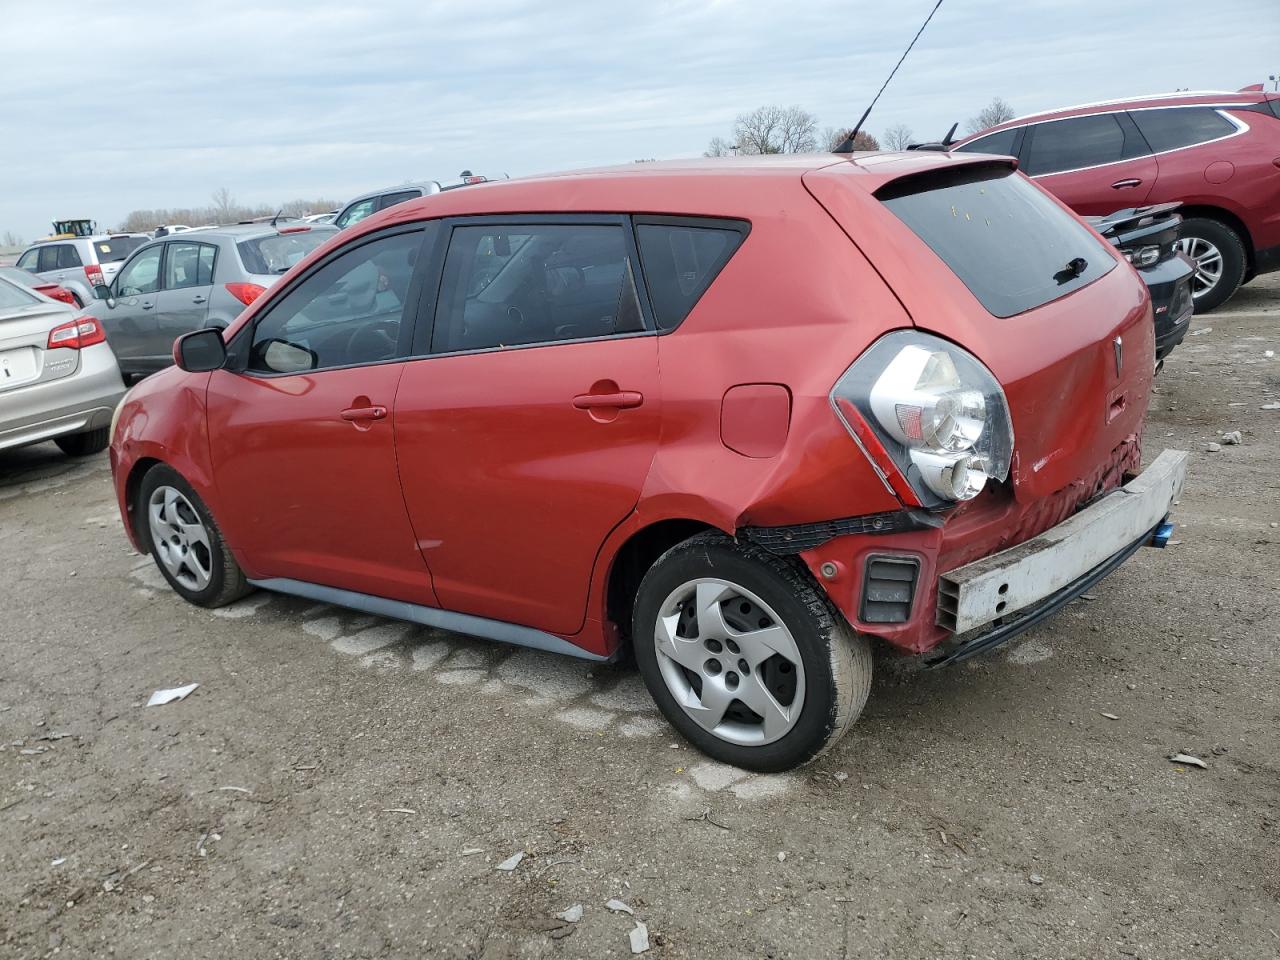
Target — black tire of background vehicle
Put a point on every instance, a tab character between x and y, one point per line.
78	303
1234	261
837	661
227	583
83	444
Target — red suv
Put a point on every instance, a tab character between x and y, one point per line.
740	417
1216	153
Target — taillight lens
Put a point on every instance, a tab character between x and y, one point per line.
937	412
246	293
93	273
76	334
59	293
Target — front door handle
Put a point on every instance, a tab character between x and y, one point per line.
198	299
364	413
147	306
621	400
1122	184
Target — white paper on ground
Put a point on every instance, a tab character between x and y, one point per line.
161	697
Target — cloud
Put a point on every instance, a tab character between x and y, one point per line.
158	105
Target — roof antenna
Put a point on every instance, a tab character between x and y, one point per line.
280	212
846	145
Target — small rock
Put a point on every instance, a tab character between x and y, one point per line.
1188	760
639	938
1036	879
572	915
782	856
842	776
617	906
511	862
1111	716
1131	686
1232	438
1212	447
148	898
1219	751
1271	406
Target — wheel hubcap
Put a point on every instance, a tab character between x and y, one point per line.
1208	261
180	539
730	662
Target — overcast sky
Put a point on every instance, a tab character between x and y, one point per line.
109	107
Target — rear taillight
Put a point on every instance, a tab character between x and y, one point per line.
76	334
94	274
246	293
59	293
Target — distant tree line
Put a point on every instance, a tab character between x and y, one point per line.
224	208
777	129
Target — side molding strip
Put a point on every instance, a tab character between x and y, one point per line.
430	616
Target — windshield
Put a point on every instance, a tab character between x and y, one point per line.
13	296
1009	243
278	252
115	249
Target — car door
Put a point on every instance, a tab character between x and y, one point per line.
525	435
300	426
1094	164
69	268
183	302
129	318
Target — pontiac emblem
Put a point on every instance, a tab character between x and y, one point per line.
1118	343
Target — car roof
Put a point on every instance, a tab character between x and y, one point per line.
245	231
1184	98
95	238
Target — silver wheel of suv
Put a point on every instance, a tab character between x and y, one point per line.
180	539
1208	261
730	662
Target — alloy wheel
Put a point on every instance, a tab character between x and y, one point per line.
730	662
1208	261
182	543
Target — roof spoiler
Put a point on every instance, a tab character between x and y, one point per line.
1253	88
943	144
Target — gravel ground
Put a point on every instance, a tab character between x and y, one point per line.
340	786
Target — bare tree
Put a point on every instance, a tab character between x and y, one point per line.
774	129
898	137
224	205
720	147
11	239
997	111
834	136
797	131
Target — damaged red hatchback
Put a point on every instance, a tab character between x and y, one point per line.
741	417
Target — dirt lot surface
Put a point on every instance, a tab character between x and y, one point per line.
344	787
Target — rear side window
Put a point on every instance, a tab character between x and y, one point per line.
1001	143
1182	127
1013	247
681	258
508	285
68	257
116	249
1075	143
391	199
277	252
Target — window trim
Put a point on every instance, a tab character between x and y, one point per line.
739	226
424	331
238	349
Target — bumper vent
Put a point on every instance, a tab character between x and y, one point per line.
888	587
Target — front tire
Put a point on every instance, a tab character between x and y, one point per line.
1219	256
185	542
84	444
745	656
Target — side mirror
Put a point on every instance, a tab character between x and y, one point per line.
281	356
200	351
102	292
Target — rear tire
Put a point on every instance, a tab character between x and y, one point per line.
745	655
1220	260
185	542
84	444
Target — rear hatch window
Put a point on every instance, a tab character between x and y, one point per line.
1013	247
277	252
115	249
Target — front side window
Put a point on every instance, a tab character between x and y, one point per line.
1181	126
347	312
1075	143
189	265
998	143
356	213
680	261
29	260
142	275
519	284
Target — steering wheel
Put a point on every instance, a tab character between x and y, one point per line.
374	342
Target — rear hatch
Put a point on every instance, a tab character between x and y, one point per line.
267	257
111	252
979	255
25	322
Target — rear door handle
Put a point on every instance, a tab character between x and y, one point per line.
364	413
622	400
198	299
1131	182
147	306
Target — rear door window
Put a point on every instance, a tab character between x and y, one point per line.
1013	247
681	258
1000	143
510	285
68	257
48	259
1181	127
1075	143
189	265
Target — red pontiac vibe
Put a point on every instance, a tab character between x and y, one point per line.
742	417
1216	153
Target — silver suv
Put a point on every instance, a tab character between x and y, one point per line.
80	263
198	278
370	203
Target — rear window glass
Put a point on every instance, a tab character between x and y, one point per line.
12	296
117	248
1001	143
1170	129
1013	247
278	252
680	260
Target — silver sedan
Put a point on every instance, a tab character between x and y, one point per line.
58	377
